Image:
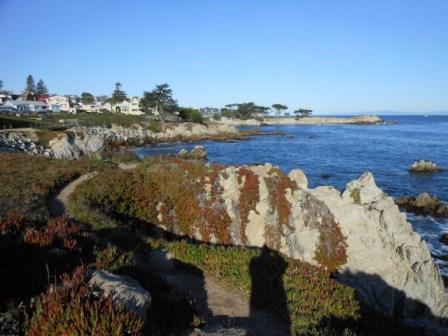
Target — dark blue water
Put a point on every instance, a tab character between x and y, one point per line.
337	154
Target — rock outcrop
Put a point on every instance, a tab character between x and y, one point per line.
359	233
197	153
424	166
123	290
357	120
424	204
19	142
78	141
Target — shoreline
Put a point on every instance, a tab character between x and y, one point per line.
355	120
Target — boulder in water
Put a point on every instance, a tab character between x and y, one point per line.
424	204
197	153
424	166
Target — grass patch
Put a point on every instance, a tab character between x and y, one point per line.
103	119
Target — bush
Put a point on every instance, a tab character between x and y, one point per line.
112	259
191	115
72	308
32	253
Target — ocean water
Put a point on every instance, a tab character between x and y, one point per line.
336	154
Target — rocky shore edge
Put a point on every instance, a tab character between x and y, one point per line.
78	141
355	120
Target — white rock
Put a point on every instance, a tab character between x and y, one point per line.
123	290
299	177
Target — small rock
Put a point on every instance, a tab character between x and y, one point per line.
197	153
299	177
424	166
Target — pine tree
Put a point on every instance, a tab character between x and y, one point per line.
1	84
30	86
118	95
41	88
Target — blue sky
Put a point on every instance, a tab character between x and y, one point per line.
332	56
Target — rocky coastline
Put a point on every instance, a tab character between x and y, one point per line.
78	141
355	120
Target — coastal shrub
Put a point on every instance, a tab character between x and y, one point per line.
112	259
249	197
191	115
102	119
277	184
72	308
33	253
331	251
58	232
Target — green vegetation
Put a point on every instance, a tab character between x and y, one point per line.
118	95
303	113
279	108
102	119
87	98
244	110
41	88
52	121
191	115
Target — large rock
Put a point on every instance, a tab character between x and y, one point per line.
63	147
360	233
123	290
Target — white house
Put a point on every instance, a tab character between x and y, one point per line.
30	106
106	106
131	107
8	106
92	107
5	96
60	104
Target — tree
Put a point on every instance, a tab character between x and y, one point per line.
244	110
87	98
279	108
160	98
118	95
30	86
1	84
190	114
301	113
41	88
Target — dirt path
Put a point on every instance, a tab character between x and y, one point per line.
225	311
58	202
